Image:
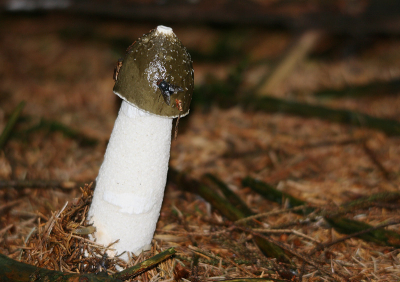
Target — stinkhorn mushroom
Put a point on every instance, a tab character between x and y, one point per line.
155	81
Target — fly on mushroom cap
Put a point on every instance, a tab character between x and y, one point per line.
157	67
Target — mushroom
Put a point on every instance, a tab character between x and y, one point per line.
155	81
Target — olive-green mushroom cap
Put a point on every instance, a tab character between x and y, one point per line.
155	57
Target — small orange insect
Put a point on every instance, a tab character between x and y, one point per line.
116	69
179	105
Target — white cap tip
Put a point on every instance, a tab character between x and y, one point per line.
164	29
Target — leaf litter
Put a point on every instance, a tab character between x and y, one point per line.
324	163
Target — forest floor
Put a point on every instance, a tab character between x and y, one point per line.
62	68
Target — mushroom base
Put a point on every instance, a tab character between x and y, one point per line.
130	185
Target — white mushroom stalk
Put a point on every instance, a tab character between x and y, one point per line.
130	185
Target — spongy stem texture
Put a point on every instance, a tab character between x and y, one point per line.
130	185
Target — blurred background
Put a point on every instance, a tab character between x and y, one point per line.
326	60
302	94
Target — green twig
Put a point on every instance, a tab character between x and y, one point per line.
225	208
184	182
371	89
147	264
234	199
274	195
341	224
228	97
291	250
369	201
10	124
365	231
270	104
11	270
54	126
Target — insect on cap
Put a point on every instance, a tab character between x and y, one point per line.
155	67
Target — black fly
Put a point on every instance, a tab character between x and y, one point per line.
167	90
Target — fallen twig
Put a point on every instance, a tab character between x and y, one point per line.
21	184
12	270
265	214
18	271
187	233
292	58
234	199
372	156
369	201
372	88
289	231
